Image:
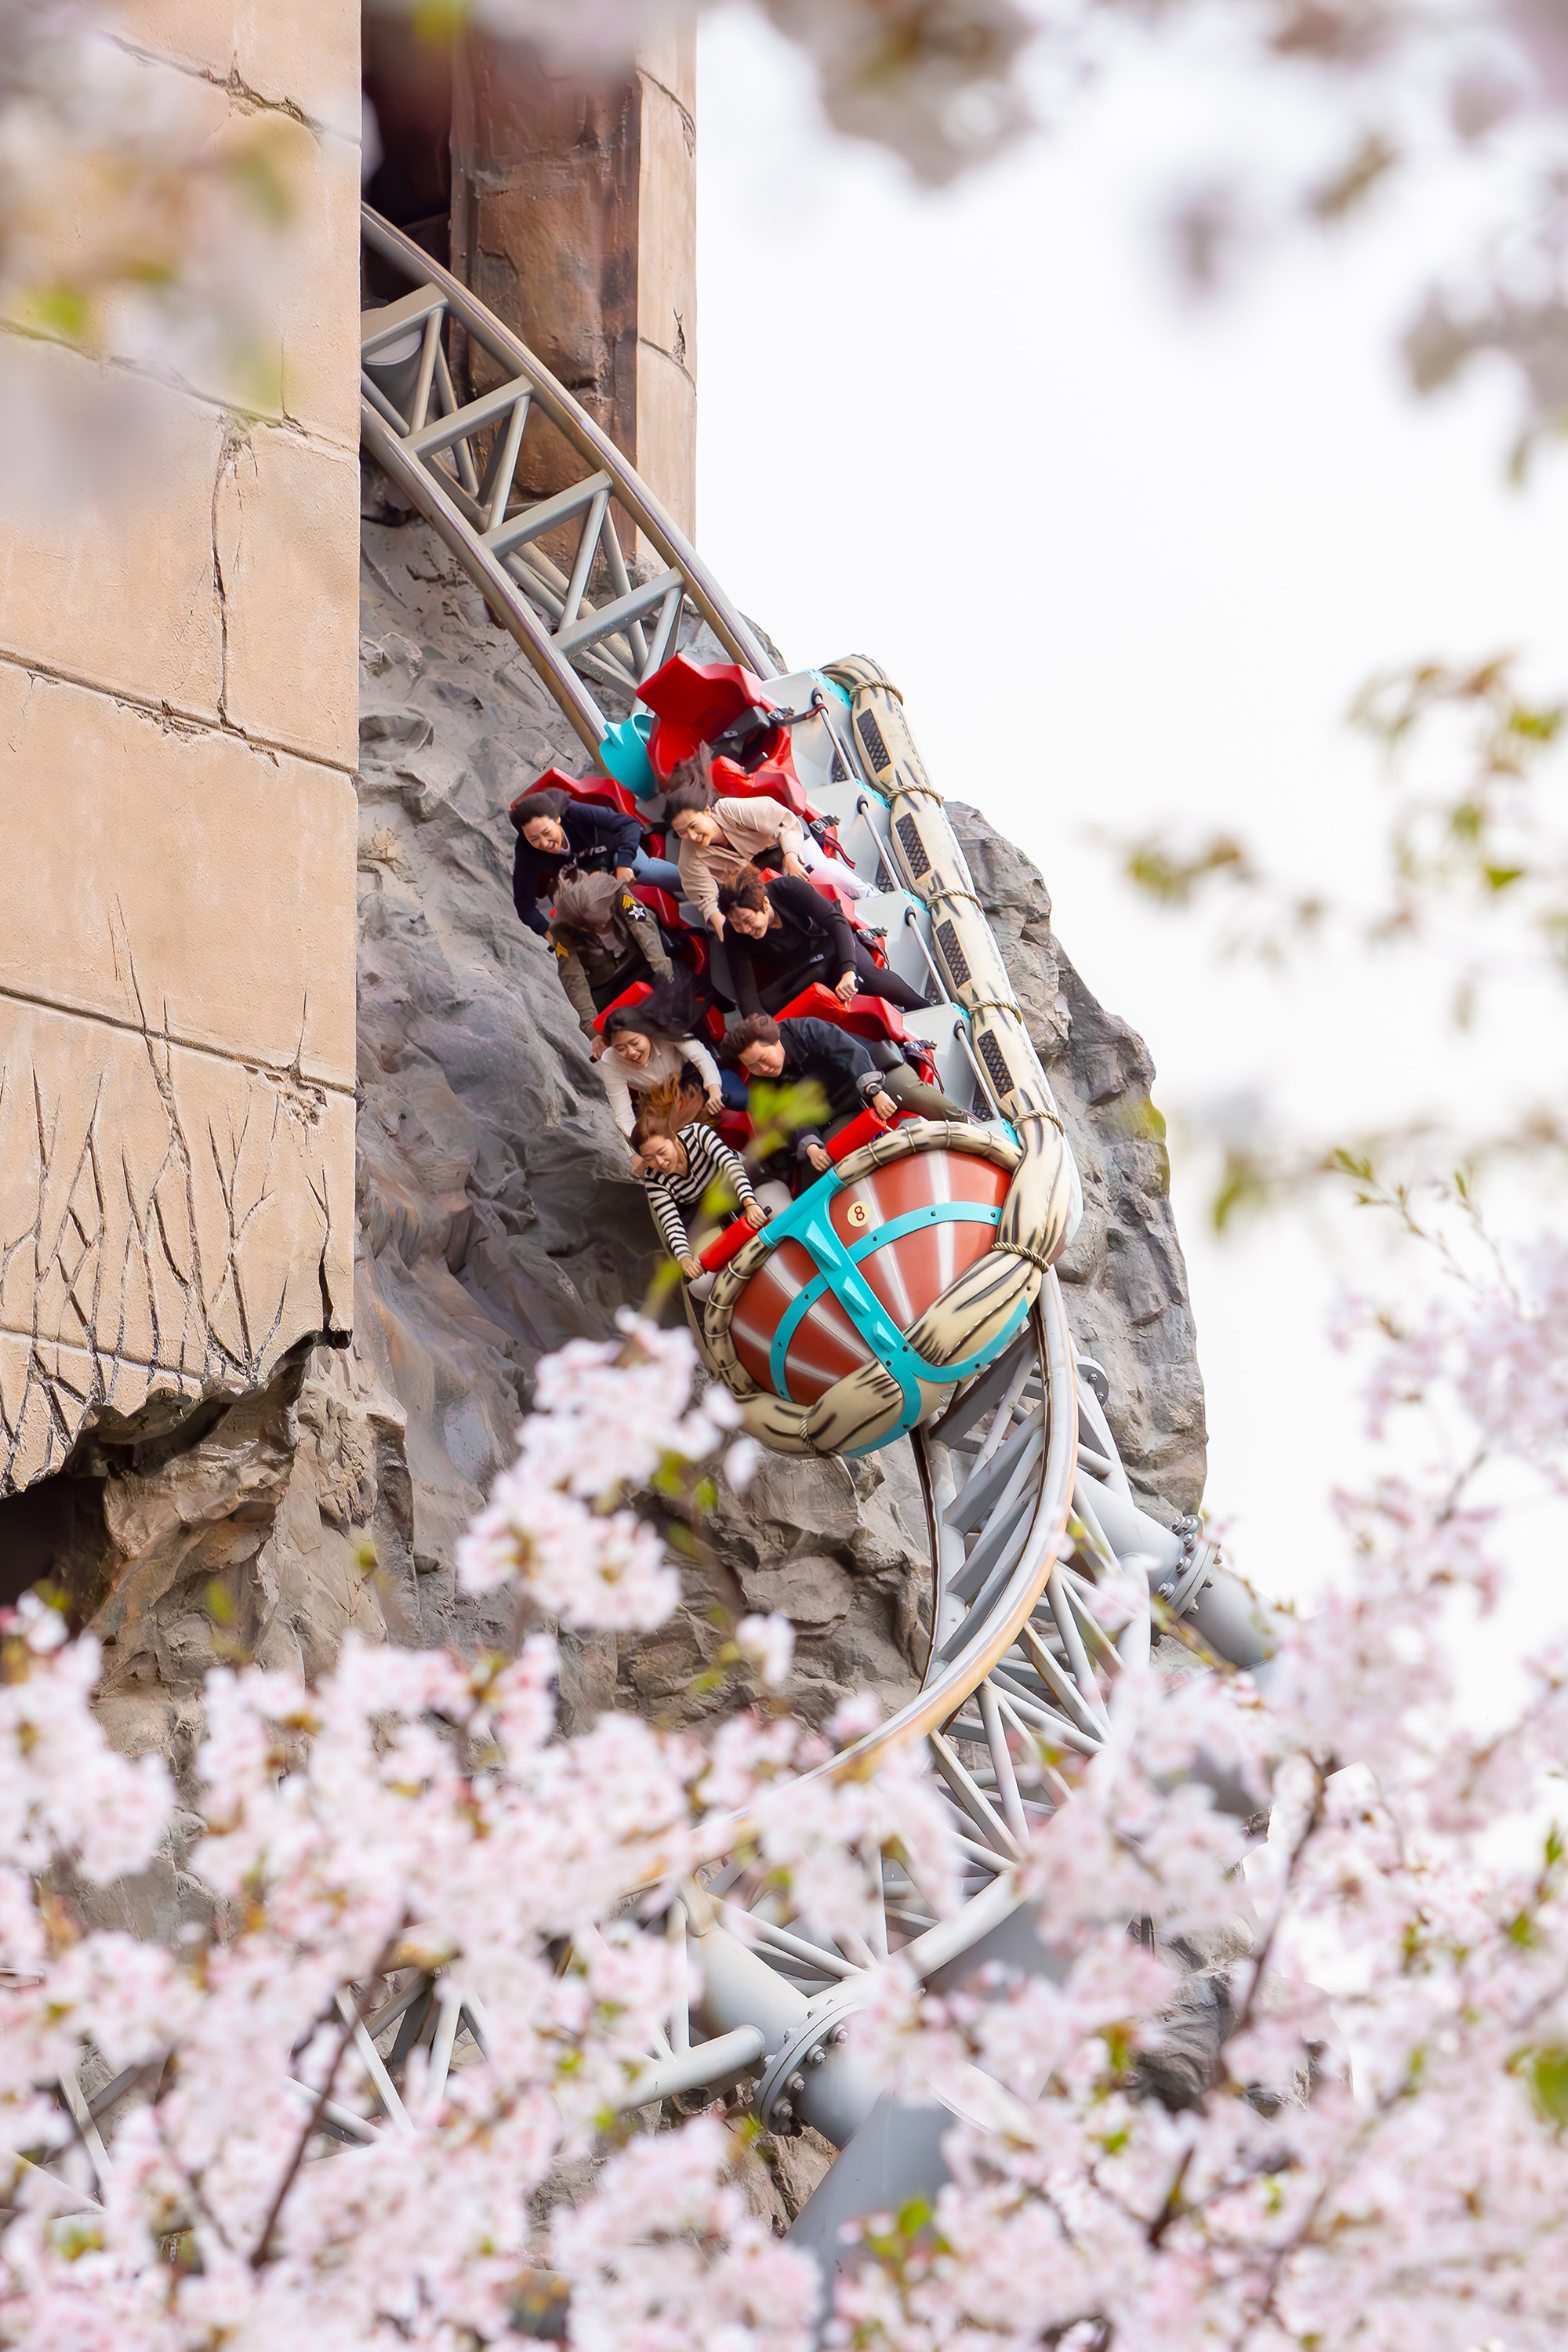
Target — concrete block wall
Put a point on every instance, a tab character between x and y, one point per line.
178	734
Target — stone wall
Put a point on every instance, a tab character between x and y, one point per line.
177	692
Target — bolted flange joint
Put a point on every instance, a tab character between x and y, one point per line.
812	2078
1180	1589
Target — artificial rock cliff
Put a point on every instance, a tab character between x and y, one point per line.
495	1220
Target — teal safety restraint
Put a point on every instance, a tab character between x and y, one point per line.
806	1221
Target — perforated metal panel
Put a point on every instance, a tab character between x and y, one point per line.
871	736
995	1062
952	954
913	848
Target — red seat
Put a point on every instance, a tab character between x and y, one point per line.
694	701
842	900
659	903
848	908
735	1128
863	1016
774	780
602	790
778	780
632	995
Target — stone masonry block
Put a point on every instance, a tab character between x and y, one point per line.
319	300
176	880
295	267
284	52
120	591
668	55
168	1220
667	228
667	434
285	539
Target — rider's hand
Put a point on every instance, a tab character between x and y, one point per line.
817	1158
716	924
884	1106
692	1269
596	1045
847	987
794	865
625	872
755	1215
715	1099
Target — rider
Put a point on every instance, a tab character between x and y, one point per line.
784	934
718	837
605	940
555	829
789	1053
651	1044
681	1167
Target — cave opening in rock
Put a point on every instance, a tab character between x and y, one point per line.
407	76
41	1532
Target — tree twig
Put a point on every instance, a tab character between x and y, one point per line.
312	2121
1243	2015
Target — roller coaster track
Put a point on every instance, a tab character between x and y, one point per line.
1030	1513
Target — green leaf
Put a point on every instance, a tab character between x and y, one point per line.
63	311
1164	874
1547	2073
1536	726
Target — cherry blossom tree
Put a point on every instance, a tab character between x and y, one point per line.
1378	2158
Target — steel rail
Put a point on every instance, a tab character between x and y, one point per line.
496	586
730	626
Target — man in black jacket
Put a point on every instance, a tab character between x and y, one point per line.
788	1053
783	934
555	829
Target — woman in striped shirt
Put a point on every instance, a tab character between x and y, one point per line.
681	1167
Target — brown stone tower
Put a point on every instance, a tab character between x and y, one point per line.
568	206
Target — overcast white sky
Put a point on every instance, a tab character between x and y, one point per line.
1126	563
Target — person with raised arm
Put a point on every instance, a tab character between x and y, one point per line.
681	1167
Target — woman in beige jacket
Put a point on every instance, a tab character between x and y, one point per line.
719	837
